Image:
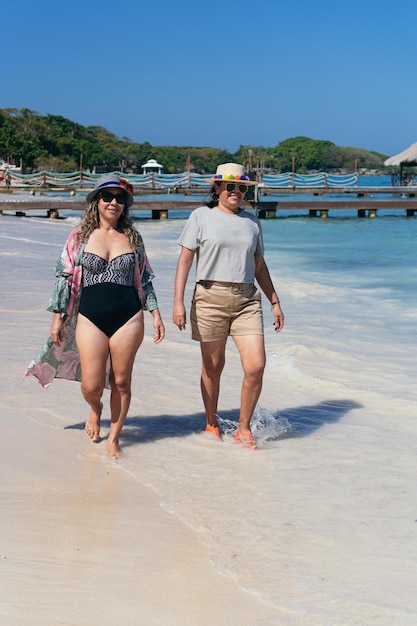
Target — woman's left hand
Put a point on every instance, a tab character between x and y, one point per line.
56	332
159	328
278	317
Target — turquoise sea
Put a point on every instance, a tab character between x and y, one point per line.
337	419
320	522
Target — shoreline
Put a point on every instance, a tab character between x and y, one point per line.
315	529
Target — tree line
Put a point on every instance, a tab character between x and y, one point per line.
57	144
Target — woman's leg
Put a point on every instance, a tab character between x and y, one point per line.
124	345
93	347
213	356
252	355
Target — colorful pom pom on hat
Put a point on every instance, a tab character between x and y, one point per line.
112	180
229	172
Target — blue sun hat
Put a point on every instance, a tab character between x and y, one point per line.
112	180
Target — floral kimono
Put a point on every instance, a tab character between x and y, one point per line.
63	361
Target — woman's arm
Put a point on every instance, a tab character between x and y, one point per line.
185	262
147	294
264	280
66	280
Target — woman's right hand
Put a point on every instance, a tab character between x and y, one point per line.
57	328
185	261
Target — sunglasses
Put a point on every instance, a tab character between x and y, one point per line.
232	186
108	196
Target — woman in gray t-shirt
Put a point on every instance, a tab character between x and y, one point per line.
227	243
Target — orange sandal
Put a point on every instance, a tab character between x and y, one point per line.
213	429
245	438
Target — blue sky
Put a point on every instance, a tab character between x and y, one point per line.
219	74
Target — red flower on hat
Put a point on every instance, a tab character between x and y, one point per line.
126	185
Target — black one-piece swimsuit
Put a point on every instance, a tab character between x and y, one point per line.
109	298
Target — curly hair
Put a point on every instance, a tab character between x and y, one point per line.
91	221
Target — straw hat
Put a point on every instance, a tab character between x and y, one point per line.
230	172
112	180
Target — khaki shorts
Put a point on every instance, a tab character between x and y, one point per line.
221	309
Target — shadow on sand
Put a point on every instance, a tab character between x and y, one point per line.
306	419
293	422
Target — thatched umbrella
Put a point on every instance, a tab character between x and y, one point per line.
406	157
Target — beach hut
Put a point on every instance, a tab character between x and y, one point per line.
152	167
406	157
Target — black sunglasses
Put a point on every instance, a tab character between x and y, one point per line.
232	186
108	196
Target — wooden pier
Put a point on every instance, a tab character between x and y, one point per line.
365	204
360	192
159	209
363	208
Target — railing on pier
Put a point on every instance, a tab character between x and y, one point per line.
185	180
85	180
321	179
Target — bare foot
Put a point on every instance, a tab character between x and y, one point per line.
92	425
113	449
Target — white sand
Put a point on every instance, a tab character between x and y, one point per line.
82	542
321	527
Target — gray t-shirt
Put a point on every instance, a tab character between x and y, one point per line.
226	244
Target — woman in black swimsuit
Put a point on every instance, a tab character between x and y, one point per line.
110	315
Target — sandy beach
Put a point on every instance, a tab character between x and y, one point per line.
82	542
317	528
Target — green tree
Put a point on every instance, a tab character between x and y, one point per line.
53	141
